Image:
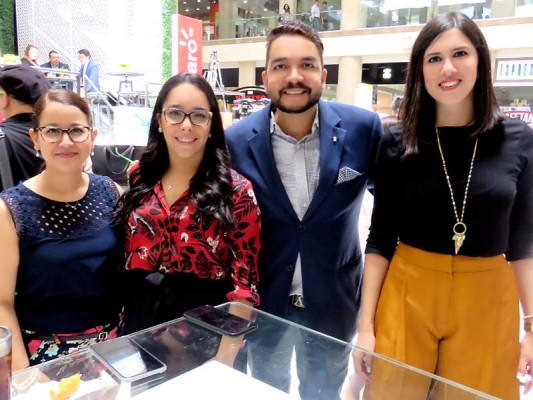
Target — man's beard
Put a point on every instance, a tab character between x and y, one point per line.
277	104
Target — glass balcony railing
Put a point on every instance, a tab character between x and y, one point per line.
258	20
380	13
256	26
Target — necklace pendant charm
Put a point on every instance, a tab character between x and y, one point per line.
459	235
459	239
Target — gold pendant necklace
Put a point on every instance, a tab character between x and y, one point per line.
459	228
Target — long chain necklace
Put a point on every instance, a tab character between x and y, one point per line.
459	228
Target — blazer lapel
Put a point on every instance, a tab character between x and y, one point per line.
331	147
261	147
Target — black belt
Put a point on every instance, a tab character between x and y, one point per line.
296	300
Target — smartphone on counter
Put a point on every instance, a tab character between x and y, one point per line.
220	321
130	361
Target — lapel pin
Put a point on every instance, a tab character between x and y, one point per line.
334	139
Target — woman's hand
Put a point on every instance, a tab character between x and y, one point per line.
362	361
525	364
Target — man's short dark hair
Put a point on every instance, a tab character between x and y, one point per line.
85	52
52	52
296	28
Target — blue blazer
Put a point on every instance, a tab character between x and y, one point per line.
93	73
327	237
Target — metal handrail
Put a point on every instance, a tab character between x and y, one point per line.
75	74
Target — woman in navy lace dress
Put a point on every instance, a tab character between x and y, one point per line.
59	248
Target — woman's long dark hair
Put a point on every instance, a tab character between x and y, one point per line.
418	112
211	188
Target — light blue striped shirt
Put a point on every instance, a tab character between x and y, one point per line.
298	164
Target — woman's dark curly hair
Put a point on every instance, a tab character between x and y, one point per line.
211	188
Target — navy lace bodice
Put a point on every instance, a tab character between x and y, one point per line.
69	258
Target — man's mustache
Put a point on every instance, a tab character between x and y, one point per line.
295	86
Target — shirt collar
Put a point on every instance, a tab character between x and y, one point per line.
276	130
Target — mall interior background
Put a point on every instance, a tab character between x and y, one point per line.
367	43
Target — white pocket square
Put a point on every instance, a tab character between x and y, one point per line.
347	174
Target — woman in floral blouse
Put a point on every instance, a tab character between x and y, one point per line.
192	223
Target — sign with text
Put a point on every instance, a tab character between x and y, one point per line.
187	45
514	70
520	112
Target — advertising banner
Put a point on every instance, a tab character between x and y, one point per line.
523	113
187	45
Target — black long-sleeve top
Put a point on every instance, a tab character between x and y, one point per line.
412	201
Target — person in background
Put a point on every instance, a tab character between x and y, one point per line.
478	11
286	16
450	250
55	63
315	16
392	120
89	72
310	162
31	54
60	249
192	223
20	87
324	16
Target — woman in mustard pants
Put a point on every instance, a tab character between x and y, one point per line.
450	250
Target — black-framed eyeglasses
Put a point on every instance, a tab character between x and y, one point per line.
77	134
197	117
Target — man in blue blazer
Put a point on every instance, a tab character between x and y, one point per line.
309	162
89	72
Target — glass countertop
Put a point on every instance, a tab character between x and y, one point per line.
195	367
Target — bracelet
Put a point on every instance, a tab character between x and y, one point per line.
528	326
530	316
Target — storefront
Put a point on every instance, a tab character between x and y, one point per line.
513	83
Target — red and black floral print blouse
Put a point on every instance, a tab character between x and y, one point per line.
178	238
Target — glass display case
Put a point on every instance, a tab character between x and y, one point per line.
190	353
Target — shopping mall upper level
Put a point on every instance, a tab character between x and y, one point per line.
367	42
361	38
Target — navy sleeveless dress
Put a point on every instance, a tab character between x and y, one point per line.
68	272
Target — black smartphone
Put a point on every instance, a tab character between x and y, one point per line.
130	361
219	321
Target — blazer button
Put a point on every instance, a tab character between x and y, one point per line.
301	228
290	267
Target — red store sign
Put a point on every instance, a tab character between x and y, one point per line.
189	45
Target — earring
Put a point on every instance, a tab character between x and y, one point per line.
209	136
92	152
37	153
159	129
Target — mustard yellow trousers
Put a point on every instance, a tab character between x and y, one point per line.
454	316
